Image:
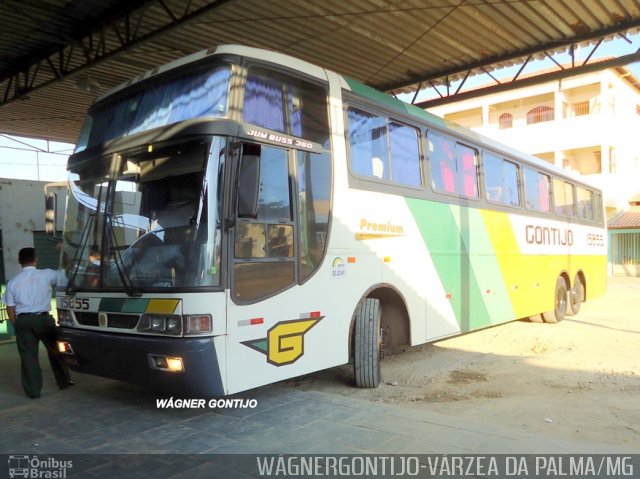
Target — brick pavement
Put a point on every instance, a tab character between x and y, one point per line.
99	420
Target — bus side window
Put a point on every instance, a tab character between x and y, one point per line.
467	171
500	180
405	155
537	190
441	158
511	192
368	145
263	102
597	208
544	192
264	260
286	104
585	204
314	198
563	196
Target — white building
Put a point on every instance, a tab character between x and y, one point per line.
22	207
587	123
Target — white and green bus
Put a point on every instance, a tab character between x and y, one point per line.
240	217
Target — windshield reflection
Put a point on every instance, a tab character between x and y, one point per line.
146	221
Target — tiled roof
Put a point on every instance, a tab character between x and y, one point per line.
627	220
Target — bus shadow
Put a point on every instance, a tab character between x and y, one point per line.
595	325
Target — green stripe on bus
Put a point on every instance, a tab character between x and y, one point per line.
123	305
491	286
446	231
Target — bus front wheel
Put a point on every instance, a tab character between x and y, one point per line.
367	346
561	303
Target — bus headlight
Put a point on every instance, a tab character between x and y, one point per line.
166	363
64	347
199	323
160	323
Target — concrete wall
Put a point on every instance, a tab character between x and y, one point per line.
22	208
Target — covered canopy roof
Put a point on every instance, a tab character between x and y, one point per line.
57	56
627	220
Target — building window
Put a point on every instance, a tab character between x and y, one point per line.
580	108
505	121
539	114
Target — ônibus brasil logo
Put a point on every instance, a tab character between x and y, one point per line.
35	467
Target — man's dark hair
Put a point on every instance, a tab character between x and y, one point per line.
27	255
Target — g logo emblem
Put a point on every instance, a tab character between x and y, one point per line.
284	343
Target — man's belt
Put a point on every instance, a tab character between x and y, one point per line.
42	313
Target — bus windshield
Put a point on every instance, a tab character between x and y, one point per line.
146	221
173	99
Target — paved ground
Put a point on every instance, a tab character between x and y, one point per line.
99	417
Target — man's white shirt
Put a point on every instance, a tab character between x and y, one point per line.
30	290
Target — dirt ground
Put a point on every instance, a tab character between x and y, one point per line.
577	379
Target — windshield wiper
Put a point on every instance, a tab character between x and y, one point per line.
121	267
71	287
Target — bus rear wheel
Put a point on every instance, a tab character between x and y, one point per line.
367	348
576	296
561	303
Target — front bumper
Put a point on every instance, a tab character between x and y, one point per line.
126	358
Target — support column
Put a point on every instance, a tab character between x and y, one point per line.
485	115
605	160
558	158
558	102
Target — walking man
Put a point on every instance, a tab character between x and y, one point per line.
28	299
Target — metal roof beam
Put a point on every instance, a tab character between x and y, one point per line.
512	85
619	28
103	43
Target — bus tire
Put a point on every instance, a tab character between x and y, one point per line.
576	296
536	318
560	301
367	344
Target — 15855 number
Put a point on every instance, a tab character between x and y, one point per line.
74	303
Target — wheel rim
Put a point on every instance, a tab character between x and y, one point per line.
577	293
574	298
561	300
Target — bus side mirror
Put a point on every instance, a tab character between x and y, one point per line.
50	214
248	186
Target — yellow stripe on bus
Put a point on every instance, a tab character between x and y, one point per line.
162	306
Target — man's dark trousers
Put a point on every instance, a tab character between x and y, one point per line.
30	329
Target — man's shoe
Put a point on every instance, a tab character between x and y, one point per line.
71	382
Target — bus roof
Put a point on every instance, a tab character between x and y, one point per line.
240	50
